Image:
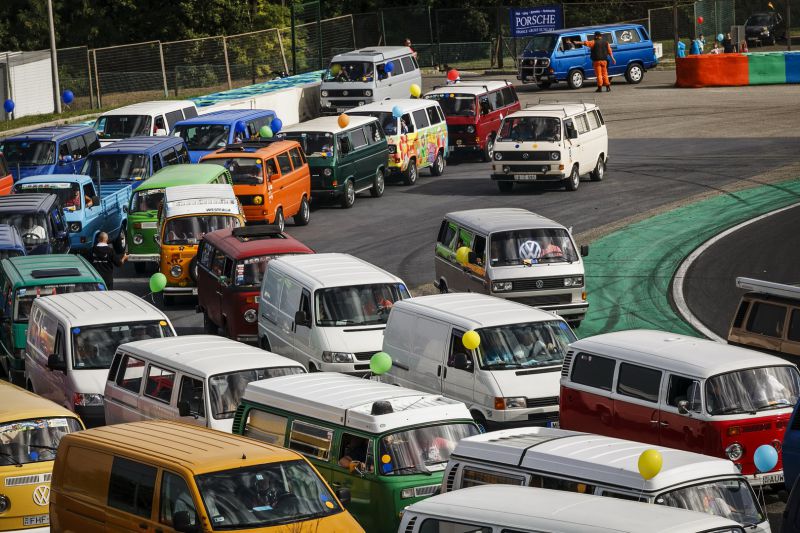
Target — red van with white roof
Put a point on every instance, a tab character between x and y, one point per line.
682	392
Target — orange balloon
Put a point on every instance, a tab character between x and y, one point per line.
344	120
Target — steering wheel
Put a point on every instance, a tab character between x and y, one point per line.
31	237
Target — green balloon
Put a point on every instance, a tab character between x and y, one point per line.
265	132
157	282
380	363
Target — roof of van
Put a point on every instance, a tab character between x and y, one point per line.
189	199
206	355
327	125
252	149
191	172
33	405
10	238
194	192
101	307
533	508
52	269
137	145
386	106
495	219
52	133
474	310
250	242
588	457
592	29
54	178
332	270
348	400
373	53
471	87
566	109
27	203
198	449
226	116
153	106
678	353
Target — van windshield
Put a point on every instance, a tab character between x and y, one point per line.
32	227
730	498
29	152
33	441
203	136
542	129
454	104
548	245
265	495
544	42
117	167
94	346
27	295
244	170
147	200
315	144
227	389
189	230
387	121
529	345
421	450
752	390
350	71
122	126
357	305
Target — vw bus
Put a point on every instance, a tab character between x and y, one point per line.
155	118
49	150
215	130
40	221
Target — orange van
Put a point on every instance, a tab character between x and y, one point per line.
6	179
270	178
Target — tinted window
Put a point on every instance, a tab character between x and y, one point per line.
297	161
397	67
433	116
190	112
131	486
358	138
740	313
571	42
407	121
173	117
794	326
496	100
421	118
447	232
766	319
77	147
156	163
627	36
192	393
183	154
374	132
283	162
92	143
206	253
175	498
408	65
593	371
639	382
169	156
508	96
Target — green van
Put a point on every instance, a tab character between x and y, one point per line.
143	246
25	278
388	445
344	161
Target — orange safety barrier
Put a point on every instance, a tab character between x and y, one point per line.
712	70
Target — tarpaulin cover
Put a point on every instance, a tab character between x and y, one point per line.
793	67
767	68
712	70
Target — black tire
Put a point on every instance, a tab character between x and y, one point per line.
304	215
378	185
349	196
437	168
634	74
223	330
140	267
279	220
121	242
264	343
505	186
208	326
573	181
599	170
575	79
442	287
574	324
488	150
193	269
411	173
543	85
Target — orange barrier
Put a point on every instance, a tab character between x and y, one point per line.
712	70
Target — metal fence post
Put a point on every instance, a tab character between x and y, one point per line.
294	42
227	63
383	27
319	31
163	69
283	52
353	27
499	26
89	73
97	81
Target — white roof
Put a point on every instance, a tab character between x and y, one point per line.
558	511
588	457
206	355
471	87
331	270
100	307
327	125
473	310
150	108
406	104
677	353
347	400
372	53
760	286
494	219
205	198
554	110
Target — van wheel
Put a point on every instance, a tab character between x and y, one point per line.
279	220
410	174
379	185
544	85
29	386
574	179
634	73
488	151
505	186
208	326
121	242
442	287
349	196
479	419
304	215
437	169
599	170
575	79
264	343
140	267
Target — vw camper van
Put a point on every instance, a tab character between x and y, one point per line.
215	130
155	118
49	150
768	318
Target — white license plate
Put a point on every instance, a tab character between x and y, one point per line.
525	177
194	291
36	520
554	424
772	479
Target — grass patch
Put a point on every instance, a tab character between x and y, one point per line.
33	120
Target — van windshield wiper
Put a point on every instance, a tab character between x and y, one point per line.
421	469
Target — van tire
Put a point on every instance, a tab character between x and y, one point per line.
505	186
488	150
378	185
599	169
573	181
575	79
121	242
140	267
29	386
193	269
437	169
279	220
442	287
303	216
264	343
411	173
208	326
479	419
634	74
349	195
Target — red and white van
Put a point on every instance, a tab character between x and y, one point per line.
681	392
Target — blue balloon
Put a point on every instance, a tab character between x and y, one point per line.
397	112
67	96
276	125
720	37
240	127
389	68
8	105
765	458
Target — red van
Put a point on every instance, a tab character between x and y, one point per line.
474	111
231	264
681	392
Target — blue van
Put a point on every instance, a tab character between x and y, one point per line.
790	450
58	149
39	220
133	160
11	244
559	55
211	131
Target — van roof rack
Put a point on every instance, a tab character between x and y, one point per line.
55	273
260	230
560	105
768	287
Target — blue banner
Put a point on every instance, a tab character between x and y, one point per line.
532	20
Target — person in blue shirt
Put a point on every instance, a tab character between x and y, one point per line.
681	49
695	50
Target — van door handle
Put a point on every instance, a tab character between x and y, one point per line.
654	422
444	374
664	424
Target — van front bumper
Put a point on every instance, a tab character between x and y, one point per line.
769	478
144	258
511	418
44	529
359	369
181	290
522	173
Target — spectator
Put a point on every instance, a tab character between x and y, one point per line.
743	47
568	44
696	48
681	49
727	44
407	43
104	260
702	43
717	49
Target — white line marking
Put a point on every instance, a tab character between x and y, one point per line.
680	274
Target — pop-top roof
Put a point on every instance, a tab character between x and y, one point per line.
501	219
253	241
197	199
150	107
332	270
64	268
327	125
102	307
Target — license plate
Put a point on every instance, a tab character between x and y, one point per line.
194	291
342	109
525	177
772	479
36	520
554	424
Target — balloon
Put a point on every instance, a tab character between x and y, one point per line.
720	37
415	90
397	112
240	127
700	20
276	125
765	458
265	132
389	68
67	96
157	282
471	340
650	463
8	105
344	120
336	68
380	363
453	75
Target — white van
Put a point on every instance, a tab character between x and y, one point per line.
326	311
198	379
551	142
71	343
503	508
592	464
157	117
368	75
531	260
510	379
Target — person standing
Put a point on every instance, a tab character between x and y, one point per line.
104	259
407	43
681	49
696	48
727	44
600	54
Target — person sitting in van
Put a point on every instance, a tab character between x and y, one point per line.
32	228
354	452
568	44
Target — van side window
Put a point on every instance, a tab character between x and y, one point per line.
581	124
766	319
471	477
629	35
421	118
457	350
169	156
157	163
192	393
397	68
305	303
173	117
297	161
639	382
266	427
91	140
311	440
683	389
284	163
738	319
175	498
159	124
591	116
434	525
374	132
496	100
408	64
794	326
508	96
464	238
160	383
358	138
355	448
290	299
447	233
112	371
479	247
593	370
46	339
433	116
131	376
183	154
77	147
131	487
599	116
576	41
88	190
409	124
218	263
190	112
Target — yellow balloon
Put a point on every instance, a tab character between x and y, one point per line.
650	463
415	90
344	120
471	340
462	255
385	458
336	68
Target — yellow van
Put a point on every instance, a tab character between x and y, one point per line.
164	476
30	431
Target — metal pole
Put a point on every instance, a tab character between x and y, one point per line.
499	39
294	42
163	69
227	64
319	32
89	72
54	59
283	52
97	81
676	37
788	25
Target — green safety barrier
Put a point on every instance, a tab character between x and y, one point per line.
767	68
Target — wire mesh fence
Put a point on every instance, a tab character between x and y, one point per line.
129	73
196	65
75	75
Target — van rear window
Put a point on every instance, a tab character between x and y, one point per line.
593	370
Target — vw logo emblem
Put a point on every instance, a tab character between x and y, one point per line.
41	495
530	250
539	284
525	156
344	93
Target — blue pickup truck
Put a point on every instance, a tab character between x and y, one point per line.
87	211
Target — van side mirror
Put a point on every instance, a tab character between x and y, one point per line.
184	409
55	363
343	494
683	407
301	318
572	133
185	523
584	250
462	362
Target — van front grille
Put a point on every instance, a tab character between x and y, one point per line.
539	301
425	491
567	363
541	402
523	156
237	419
364	356
28	480
451	478
537	284
410	525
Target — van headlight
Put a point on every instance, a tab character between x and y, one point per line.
498	156
555	156
470	129
367	93
576	281
138	239
5	503
87	400
250	316
735	451
501	286
337	357
176	271
392	149
74	227
516	402
407	493
327	172
324	94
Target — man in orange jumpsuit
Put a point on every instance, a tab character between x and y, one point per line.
600	53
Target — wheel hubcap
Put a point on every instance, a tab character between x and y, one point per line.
379	183
636	73
601	168
351	193
575	177
305	209
577	79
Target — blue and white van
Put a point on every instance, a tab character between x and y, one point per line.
51	150
212	131
560	55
